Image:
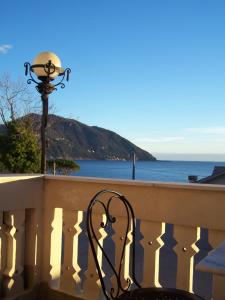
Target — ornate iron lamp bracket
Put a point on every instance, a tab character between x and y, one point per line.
44	86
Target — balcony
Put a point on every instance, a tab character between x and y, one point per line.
44	251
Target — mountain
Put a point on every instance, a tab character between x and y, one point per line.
70	139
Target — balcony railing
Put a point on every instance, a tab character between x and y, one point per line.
44	252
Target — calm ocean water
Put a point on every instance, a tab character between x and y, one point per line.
167	171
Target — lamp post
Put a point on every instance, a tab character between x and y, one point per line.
47	67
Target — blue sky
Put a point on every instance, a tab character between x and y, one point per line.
152	71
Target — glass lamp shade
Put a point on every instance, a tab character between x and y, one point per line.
41	60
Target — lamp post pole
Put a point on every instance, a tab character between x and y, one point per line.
47	67
44	120
44	88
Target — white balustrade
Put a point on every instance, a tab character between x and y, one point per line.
215	238
151	243
13	282
2	250
186	237
92	288
40	235
32	247
70	279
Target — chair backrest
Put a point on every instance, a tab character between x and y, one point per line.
103	203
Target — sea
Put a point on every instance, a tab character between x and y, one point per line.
164	171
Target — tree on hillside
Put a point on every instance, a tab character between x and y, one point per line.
16	100
19	150
63	166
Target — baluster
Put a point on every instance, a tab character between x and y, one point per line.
52	243
70	268
216	237
77	278
119	228
151	242
2	251
13	282
56	248
32	247
186	237
92	285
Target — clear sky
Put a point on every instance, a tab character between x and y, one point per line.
151	70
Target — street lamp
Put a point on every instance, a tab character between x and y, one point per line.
47	67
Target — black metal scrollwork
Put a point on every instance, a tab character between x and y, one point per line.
103	202
106	204
44	85
28	70
49	68
66	73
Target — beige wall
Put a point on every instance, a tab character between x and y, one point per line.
21	192
21	201
43	207
187	206
184	204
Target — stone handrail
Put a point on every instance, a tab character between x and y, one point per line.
54	253
20	235
189	207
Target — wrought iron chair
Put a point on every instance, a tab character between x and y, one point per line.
106	199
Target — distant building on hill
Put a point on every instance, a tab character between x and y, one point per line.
217	177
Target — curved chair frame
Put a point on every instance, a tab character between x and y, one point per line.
114	293
119	292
